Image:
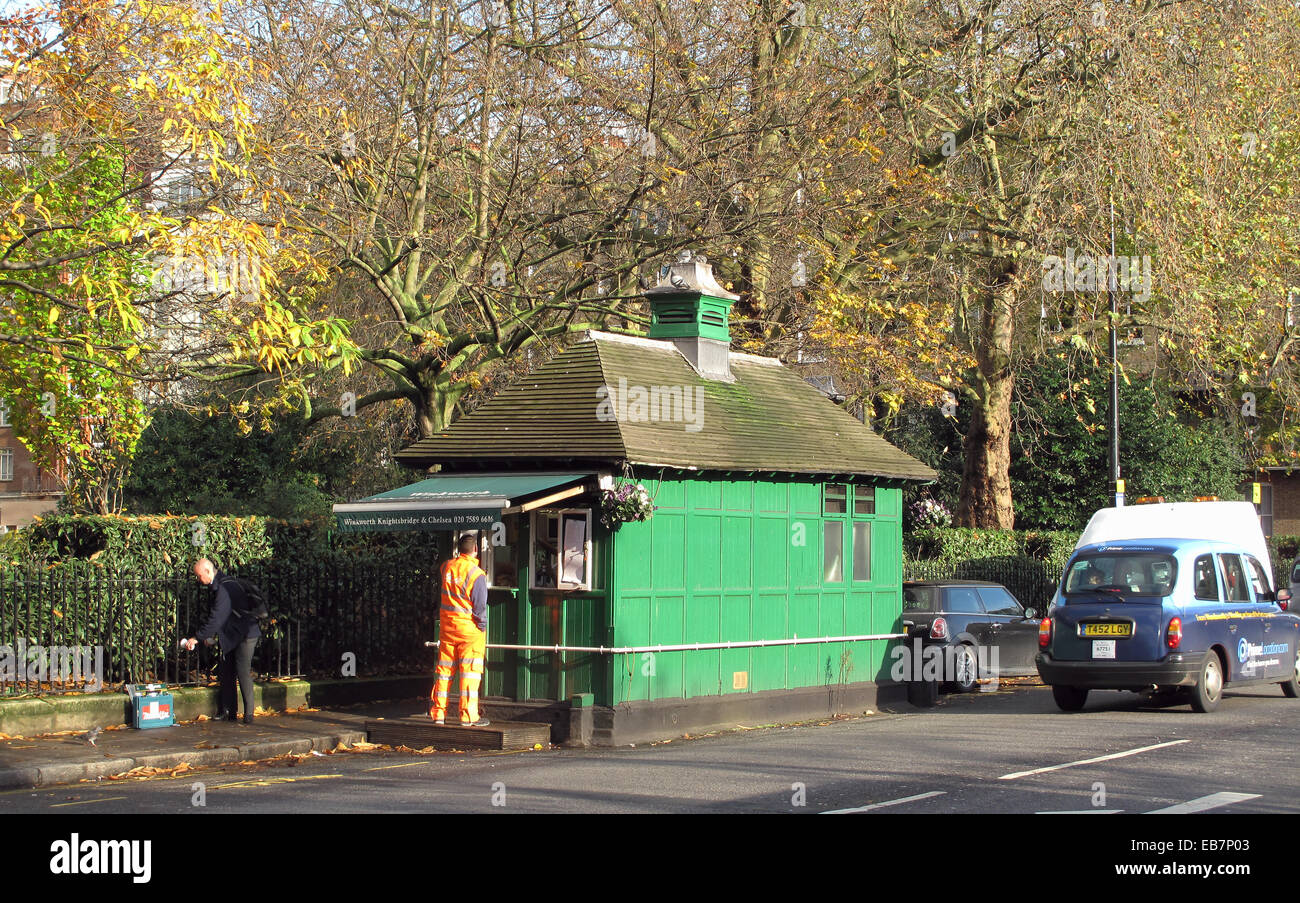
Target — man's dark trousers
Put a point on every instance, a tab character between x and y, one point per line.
237	662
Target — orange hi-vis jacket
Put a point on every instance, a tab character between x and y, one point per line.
457	612
463	642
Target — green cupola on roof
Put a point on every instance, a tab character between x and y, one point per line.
687	302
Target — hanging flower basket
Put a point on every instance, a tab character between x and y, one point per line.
624	503
926	512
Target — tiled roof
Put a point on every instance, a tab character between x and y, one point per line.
768	420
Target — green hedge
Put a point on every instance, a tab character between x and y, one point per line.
956	544
1283	550
1030	580
167	544
149	544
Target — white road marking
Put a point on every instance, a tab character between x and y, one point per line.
906	799
1118	755
1205	803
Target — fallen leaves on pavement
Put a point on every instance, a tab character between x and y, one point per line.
147	771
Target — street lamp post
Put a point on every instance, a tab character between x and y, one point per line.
1112	275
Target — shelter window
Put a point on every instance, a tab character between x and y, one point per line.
864	501
862	550
560	549
497	554
835	498
833	563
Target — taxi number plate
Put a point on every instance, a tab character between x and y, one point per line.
1103	648
1116	629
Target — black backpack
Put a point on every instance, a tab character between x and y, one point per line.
253	605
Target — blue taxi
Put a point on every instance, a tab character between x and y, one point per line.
1185	616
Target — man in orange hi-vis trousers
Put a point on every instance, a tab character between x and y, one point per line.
462	622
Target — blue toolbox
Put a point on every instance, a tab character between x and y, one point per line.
151	706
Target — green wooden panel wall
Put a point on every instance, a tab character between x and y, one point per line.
501	676
735	560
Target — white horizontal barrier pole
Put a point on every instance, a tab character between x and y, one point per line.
692	647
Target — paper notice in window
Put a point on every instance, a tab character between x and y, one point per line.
574	567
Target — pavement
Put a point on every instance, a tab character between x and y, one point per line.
70	756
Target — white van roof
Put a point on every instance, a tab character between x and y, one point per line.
1235	522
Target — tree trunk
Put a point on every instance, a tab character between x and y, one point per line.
985	499
985	478
86	495
428	411
435	405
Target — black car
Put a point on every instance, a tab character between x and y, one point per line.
984	630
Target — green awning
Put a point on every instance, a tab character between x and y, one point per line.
456	501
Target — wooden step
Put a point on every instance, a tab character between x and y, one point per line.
419	731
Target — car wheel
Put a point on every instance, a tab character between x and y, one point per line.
1069	699
966	670
1291	687
1209	686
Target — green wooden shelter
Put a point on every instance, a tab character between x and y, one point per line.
765	585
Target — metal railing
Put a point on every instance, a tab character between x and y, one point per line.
339	615
336	617
695	647
1032	582
42	485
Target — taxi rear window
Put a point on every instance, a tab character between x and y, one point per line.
1142	573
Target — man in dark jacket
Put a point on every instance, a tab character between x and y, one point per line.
239	635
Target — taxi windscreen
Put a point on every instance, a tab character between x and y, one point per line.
1139	573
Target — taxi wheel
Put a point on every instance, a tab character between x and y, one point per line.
1291	687
1070	699
966	670
1208	691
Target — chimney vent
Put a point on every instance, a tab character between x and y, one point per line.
688	307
